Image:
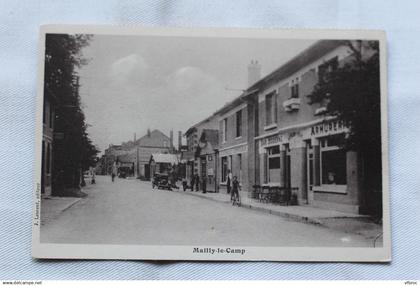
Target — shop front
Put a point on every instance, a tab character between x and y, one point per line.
234	159
313	160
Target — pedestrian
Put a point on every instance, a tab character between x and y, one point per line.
184	183
93	176
192	182
229	181
197	182
235	187
114	171
204	184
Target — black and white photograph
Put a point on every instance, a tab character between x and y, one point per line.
211	144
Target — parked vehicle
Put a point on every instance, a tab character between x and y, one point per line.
122	174
161	181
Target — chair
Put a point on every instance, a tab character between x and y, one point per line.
274	194
293	196
264	194
256	192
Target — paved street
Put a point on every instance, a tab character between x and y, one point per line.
130	212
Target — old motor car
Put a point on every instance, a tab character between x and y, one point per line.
161	181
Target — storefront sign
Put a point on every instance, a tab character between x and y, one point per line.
328	128
272	140
234	150
210	172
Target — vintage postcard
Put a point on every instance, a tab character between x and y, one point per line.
211	144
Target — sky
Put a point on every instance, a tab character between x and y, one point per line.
132	83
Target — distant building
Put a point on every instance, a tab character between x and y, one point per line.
207	153
153	142
163	163
193	135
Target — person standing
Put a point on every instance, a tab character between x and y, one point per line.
197	182
192	182
92	172
204	184
229	181
235	190
114	171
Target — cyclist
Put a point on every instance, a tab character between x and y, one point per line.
235	191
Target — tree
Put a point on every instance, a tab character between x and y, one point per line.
351	92
73	152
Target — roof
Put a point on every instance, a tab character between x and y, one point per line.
301	60
186	156
210	136
127	157
165	158
194	127
155	139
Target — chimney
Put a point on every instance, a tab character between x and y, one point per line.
134	138
179	140
171	139
254	72
148	132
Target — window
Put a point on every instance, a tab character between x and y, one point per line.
271	109
273	164
333	162
295	88
165	144
326	68
48	159
224	126
240	167
239	123
224	169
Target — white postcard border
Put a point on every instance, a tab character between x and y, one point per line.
139	252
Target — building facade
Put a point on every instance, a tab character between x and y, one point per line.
197	162
233	144
273	135
134	155
295	144
47	144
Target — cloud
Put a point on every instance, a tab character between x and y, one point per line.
128	69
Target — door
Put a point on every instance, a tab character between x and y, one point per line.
203	167
147	171
287	170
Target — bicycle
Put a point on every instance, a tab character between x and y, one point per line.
235	198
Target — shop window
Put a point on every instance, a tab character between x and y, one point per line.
333	161
274	150
239	123
224	169
273	164
334	167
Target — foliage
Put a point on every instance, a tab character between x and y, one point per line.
351	92
75	151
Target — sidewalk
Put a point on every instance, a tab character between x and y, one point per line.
346	222
52	207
